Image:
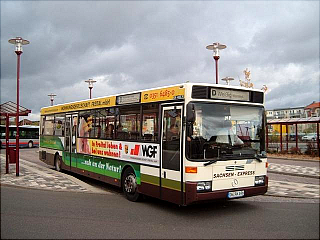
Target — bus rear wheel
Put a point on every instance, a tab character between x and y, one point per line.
57	162
30	144
129	185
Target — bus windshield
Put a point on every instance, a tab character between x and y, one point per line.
224	131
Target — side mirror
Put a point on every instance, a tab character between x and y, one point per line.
191	115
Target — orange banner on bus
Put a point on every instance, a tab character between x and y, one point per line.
163	94
83	105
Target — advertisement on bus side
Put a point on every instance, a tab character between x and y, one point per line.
144	153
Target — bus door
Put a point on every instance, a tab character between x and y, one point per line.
70	140
67	141
171	167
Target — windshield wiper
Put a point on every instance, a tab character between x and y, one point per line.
231	156
210	162
256	157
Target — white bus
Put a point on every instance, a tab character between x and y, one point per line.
28	136
184	143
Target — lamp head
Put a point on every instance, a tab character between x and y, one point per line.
90	81
18	42
216	47
227	79
52	96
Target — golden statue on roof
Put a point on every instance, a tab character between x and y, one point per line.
247	74
246	83
264	88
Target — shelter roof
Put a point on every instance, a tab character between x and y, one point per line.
294	120
10	109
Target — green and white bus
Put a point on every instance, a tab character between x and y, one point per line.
183	143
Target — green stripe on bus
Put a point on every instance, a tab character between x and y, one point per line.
150	179
53	142
104	166
167	183
171	184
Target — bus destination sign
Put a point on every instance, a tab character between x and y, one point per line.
129	98
229	94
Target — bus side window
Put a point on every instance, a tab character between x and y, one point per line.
150	122
59	125
128	124
23	134
49	125
85	124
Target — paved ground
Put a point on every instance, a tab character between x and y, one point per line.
35	176
294	170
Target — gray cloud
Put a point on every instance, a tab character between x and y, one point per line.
135	45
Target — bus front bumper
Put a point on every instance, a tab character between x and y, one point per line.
192	196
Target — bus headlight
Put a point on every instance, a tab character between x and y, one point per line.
204	186
259	180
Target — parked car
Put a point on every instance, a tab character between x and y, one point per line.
309	137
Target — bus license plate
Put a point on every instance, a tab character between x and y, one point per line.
236	194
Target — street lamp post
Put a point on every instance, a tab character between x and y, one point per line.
90	82
216	47
52	97
18	42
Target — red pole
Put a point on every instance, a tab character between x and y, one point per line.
297	136
216	58
280	137
7	144
17	116
90	92
318	141
287	133
51	102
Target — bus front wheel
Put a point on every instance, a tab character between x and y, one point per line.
57	162
30	144
129	185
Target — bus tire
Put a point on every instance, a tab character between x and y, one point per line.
57	162
129	185
30	144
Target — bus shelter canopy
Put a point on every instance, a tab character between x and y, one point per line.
9	109
294	120
298	122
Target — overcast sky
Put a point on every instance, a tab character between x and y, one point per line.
129	46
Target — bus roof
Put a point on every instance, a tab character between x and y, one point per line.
167	93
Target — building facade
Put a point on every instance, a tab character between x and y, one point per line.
311	110
279	113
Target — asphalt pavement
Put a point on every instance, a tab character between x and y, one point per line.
33	175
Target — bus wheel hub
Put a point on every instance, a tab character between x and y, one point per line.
130	184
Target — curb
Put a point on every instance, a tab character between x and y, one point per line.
293	174
296	159
296	197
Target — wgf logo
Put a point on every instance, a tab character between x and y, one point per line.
149	151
